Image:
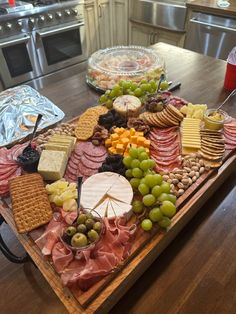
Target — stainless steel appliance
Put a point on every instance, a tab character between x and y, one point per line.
40	40
211	35
167	14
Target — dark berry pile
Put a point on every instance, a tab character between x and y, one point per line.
111	119
113	163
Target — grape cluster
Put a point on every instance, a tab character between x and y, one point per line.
113	163
154	191
128	88
111	119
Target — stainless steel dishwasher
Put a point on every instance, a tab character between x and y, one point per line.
211	35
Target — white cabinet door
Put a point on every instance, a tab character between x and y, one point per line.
141	35
168	37
91	26
104	23
120	22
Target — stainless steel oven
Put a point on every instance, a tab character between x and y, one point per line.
60	46
18	61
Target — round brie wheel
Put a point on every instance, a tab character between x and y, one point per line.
127	105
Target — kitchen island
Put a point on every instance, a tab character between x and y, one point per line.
210	6
195	273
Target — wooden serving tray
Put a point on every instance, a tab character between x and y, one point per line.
146	247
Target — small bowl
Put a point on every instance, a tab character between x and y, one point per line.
96	218
214	124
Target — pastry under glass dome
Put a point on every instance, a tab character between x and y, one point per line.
107	67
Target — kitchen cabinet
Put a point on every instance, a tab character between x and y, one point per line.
120	22
143	35
91	26
105	23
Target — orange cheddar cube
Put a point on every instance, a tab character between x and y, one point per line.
132	131
114	137
112	150
125	134
140	140
114	143
147	150
147	143
124	141
120	149
134	145
116	130
108	142
139	133
126	153
133	139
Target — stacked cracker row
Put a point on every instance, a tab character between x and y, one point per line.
30	204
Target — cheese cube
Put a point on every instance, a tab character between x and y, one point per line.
108	142
124	141
114	143
125	134
116	130
147	150
139	133
133	139
140	140
126	154
112	150
132	131
52	164
114	137
147	143
134	145
119	149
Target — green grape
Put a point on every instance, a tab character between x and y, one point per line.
103	99
149	88
137	173
126	84
165	222
135	163
143	81
116	87
138	92
153	84
152	163
146	224
168	209
149	200
107	92
144	165
142	181
155	214
127	161
172	198
113	94
149	171
163	197
157	178
164	85
143	156
121	82
137	207
144	87
150	180
128	173
134	182
165	187
143	189
141	150
133	152
133	86
109	104
130	92
156	191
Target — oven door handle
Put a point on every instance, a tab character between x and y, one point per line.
14	41
58	30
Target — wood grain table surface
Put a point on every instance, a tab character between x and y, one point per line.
197	272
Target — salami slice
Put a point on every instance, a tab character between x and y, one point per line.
84	171
90	164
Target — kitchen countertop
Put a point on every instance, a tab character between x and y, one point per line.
210	6
196	273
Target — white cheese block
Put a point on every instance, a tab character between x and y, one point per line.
121	209
121	190
127	105
52	164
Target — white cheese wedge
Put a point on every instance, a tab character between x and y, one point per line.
108	193
101	209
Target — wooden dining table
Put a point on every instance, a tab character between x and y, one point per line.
194	270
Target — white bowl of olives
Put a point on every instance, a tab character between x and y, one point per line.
86	231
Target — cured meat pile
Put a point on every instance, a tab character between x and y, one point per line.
85	161
230	134
176	101
86	267
8	166
165	148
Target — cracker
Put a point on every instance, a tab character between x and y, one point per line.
30	204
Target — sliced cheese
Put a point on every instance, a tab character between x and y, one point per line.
121	209
101	209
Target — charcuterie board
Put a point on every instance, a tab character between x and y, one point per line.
146	247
